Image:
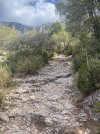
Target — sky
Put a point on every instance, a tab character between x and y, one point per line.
28	12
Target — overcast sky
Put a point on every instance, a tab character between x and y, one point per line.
28	12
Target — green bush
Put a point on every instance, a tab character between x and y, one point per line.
45	55
28	61
79	60
59	48
76	49
69	50
83	83
94	70
5	76
89	77
96	107
29	52
29	65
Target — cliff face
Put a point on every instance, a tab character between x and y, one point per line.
23	28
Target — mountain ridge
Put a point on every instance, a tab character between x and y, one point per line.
24	28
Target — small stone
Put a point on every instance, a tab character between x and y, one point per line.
20	132
95	116
54	97
83	116
65	112
6	108
15	112
4	117
69	106
87	131
21	91
69	131
48	121
79	132
15	127
32	97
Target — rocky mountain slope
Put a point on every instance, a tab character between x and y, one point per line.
23	28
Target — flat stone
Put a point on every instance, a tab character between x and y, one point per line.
15	112
23	89
41	112
61	80
83	116
65	112
95	116
48	121
32	97
14	95
15	127
69	106
67	131
54	97
55	106
87	131
20	132
4	117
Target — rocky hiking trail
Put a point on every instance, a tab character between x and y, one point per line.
45	103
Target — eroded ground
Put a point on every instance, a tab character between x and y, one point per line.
44	103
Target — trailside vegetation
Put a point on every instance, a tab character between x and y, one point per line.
82	20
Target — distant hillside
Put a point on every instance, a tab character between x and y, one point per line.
23	28
43	27
20	27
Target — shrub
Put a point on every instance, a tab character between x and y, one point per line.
76	49
94	70
89	77
22	63
45	55
28	61
79	60
69	50
29	65
83	82
1	96
59	48
29	52
5	76
96	107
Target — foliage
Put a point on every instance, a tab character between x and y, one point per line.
62	39
81	16
78	60
89	78
7	35
82	19
62	36
30	52
5	77
29	65
55	28
96	107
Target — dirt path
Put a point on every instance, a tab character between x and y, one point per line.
43	104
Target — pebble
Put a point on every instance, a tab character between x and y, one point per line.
4	117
